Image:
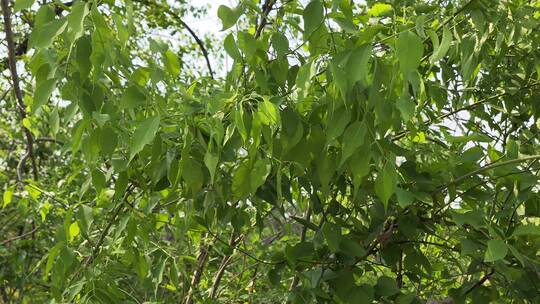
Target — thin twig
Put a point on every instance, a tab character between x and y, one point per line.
21	236
188	28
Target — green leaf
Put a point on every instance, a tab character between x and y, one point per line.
247	44
132	97
143	135
474	218
406	298
406	107
280	44
228	16
529	229
360	294
192	174
211	159
73	231
268	112
83	51
326	167
292	129
386	182
22	4
42	93
43	36
357	67
231	48
440	52
337	123
141	76
172	63
409	51
303	78
313	17
352	247
8	196
359	165
76	141
249	176
260	171
53	253
380	9
44	15
98	180
75	20
386	286
332	235
299	251
496	250
404	197
353	138
85	217
54	121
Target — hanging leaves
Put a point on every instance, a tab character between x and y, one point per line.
347	149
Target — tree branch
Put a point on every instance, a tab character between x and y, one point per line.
224	263
21	236
465	108
105	232
201	260
266	8
18	94
480	282
188	28
489	167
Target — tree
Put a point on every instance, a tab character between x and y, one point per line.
352	153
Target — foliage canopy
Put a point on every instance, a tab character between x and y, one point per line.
351	152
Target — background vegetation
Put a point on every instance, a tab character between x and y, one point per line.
352	152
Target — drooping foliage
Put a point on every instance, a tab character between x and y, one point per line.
321	152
